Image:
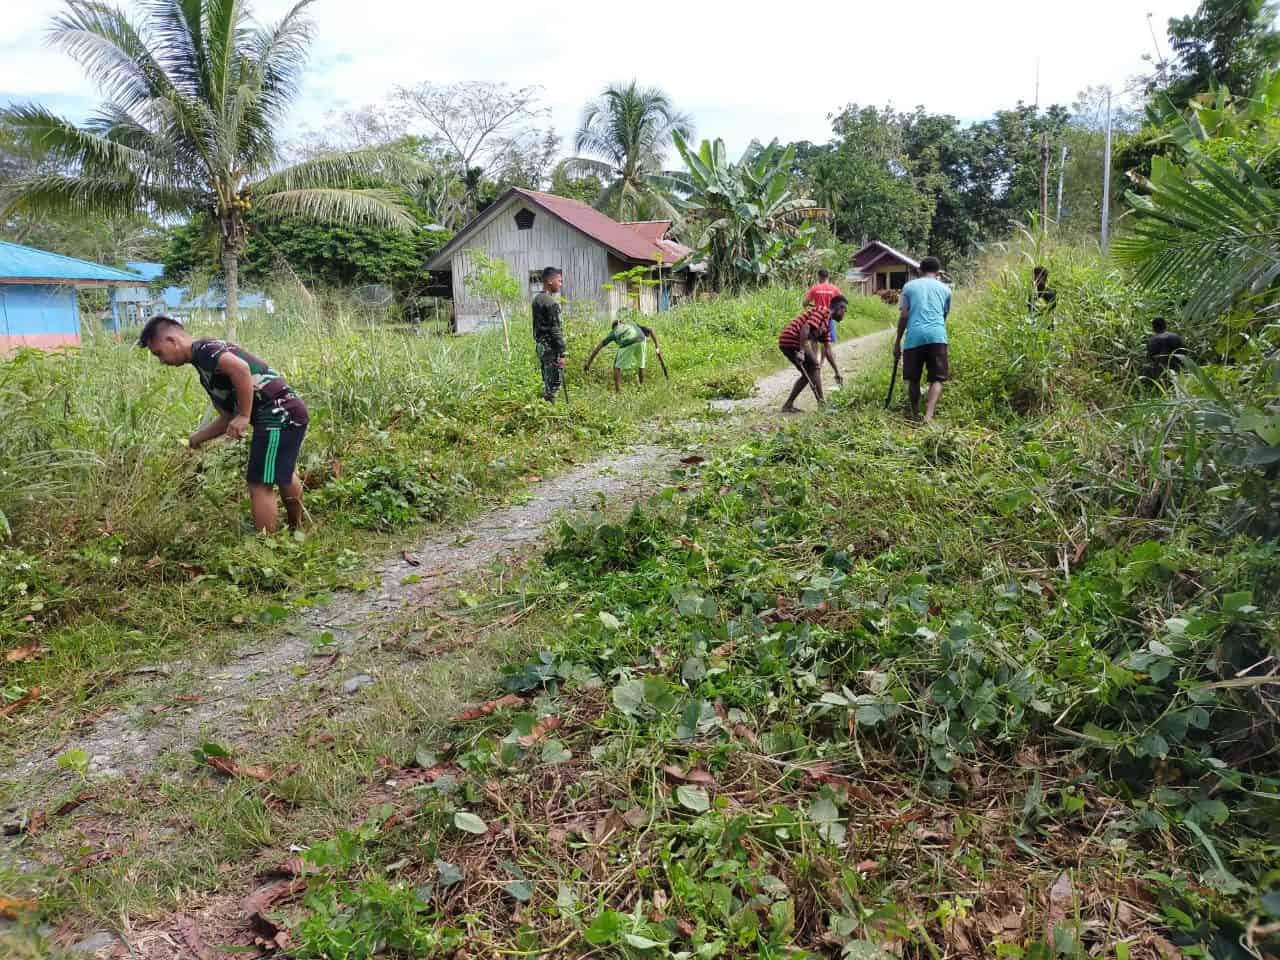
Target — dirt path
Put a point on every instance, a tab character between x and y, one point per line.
132	741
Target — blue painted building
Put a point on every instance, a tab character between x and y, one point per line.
38	303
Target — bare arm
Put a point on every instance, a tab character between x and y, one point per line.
242	382
648	332
210	431
591	359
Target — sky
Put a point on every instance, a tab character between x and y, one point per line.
743	70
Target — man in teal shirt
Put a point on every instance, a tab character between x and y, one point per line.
922	316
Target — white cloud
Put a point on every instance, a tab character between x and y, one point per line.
743	69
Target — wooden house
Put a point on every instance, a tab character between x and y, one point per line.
529	230
877	266
39	306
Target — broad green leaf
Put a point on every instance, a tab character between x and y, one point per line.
447	873
628	696
604	929
826	816
609	620
693	798
469	823
639	942
554	751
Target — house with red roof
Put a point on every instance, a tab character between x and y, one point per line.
529	230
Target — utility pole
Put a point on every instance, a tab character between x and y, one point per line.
1106	179
1062	173
1044	180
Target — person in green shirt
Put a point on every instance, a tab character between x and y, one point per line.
548	333
630	338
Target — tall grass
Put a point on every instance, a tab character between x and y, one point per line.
105	504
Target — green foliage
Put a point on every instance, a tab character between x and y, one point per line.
227	85
743	218
1224	43
109	512
326	255
622	142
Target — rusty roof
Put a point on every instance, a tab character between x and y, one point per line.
651	230
635	241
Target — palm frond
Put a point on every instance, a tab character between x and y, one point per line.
112	52
1210	228
586	167
52	137
279	53
373	208
109	196
353	169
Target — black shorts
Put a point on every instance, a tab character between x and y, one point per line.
930	355
802	360
273	453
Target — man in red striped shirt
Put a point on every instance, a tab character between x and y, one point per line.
821	294
800	342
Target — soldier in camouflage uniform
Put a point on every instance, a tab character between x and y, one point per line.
548	334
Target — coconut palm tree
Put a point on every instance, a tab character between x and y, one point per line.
194	94
624	139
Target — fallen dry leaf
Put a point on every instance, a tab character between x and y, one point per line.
13	907
540	731
531	478
410	559
232	769
31	696
743	732
693	461
116	611
19	654
635	817
189	933
693	776
74	802
1166	949
868	866
1061	895
35	823
485	709
269	894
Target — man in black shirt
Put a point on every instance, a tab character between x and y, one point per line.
1043	297
246	392
1164	349
548	334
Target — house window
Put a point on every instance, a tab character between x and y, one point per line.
524	220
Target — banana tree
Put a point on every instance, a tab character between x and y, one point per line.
194	94
743	217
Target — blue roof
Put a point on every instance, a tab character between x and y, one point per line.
214	299
146	269
29	264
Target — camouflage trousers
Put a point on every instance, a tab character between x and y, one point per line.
551	373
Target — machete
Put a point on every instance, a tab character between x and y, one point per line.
893	382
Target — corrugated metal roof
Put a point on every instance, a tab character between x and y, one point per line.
884	248
651	230
146	269
31	265
622	239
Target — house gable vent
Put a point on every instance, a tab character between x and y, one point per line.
524	220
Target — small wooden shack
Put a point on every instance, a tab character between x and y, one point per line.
529	230
38	303
877	266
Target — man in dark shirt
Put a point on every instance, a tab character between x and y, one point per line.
245	392
1164	349
548	334
1043	297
